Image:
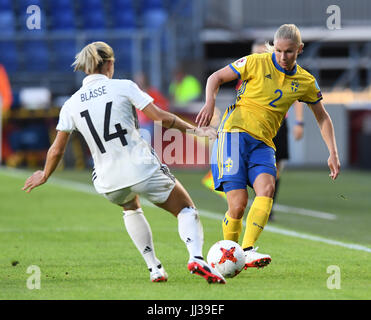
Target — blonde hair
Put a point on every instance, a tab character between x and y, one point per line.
92	57
286	31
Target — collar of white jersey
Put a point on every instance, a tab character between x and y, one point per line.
93	77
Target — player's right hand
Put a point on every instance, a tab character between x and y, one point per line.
334	165
205	115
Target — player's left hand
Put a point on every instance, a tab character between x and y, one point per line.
206	132
38	178
334	165
205	115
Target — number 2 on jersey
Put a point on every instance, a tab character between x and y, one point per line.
120	133
279	97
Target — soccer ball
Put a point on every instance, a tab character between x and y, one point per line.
227	257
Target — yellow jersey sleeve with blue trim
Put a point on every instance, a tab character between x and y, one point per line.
242	67
313	95
265	95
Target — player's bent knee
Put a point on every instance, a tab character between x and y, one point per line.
267	190
237	210
180	196
177	200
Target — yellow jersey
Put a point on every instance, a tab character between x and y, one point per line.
265	95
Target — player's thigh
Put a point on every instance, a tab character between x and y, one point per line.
262	171
177	200
165	191
132	205
156	189
123	197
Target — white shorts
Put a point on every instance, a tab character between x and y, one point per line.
156	189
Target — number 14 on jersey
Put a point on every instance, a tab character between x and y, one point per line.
120	132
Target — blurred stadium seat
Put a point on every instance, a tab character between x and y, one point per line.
64	52
154	19
63	19
93	19
36	56
152	4
122	5
123	54
6	5
7	22
9	55
33	137
181	8
124	19
91	5
62	5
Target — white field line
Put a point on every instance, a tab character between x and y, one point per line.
295	234
90	189
304	212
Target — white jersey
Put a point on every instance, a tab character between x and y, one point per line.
103	111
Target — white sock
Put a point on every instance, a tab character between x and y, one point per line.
191	231
140	232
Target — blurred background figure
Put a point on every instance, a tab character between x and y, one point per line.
141	79
184	88
6	100
5	90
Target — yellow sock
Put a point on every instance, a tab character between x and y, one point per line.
256	220
231	228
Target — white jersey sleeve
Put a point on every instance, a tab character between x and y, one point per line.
137	97
65	122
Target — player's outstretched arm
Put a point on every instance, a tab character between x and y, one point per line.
328	134
213	83
170	120
54	155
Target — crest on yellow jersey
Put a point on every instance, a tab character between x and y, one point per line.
294	85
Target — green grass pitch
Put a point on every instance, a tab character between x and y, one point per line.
79	242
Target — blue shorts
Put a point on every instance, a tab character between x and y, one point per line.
238	158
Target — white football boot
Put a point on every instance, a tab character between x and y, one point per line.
255	259
158	274
203	269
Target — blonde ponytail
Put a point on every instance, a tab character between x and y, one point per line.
268	47
91	58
